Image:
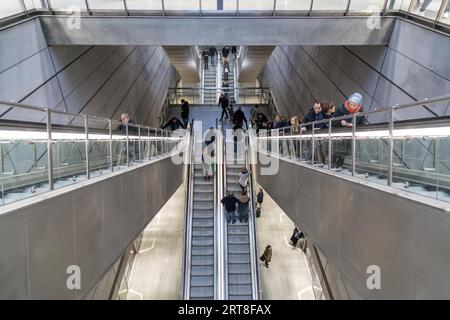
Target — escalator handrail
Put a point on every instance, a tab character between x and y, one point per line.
222	213
253	237
187	241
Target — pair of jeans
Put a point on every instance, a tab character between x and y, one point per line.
231	217
224	112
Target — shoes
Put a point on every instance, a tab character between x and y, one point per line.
422	13
446	14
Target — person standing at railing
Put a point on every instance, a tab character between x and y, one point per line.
342	148
174	123
315	114
133	148
328	110
185	112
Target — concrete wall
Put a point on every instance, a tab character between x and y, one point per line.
406	237
95	80
415	65
89	225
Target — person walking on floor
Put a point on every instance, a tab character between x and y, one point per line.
267	256
259	198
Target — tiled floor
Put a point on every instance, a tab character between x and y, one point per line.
156	272
288	276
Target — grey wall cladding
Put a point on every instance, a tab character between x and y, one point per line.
415	65
95	80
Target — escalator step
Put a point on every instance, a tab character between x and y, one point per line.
239	279
238	248
237	268
240	289
237	229
202	271
202	251
233	297
203	214
239	258
238	239
203	223
202	232
202	292
202	260
202	281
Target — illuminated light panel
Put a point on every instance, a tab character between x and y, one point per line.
8	135
398	133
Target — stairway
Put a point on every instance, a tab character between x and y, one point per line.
230	81
238	246
202	250
209	81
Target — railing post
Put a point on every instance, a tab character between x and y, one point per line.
49	150
300	148
149	145
86	143
354	144
111	160
313	148
391	146
139	146
127	146
329	145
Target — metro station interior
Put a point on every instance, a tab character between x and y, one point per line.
127	127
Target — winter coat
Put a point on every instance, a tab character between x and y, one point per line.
312	116
230	203
342	111
267	254
260	197
243	178
185	110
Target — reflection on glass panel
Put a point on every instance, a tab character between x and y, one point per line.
428	8
446	16
178	5
293	5
256	5
66	4
214	5
332	5
144	5
396	5
106	5
9	8
366	6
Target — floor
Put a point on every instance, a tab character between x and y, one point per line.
156	272
288	276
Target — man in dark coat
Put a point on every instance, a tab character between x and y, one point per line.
229	202
174	124
223	102
185	112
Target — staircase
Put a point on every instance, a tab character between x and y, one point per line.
209	81
238	245
202	251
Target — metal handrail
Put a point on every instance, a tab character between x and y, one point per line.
256	284
84	129
187	236
225	223
387	133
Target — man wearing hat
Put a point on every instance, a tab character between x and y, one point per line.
343	147
352	105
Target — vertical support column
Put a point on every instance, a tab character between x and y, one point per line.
149	145
49	150
313	148
111	160
86	144
139	146
127	146
300	148
391	146
330	153
353	144
163	8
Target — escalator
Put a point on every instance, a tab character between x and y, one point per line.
242	263
199	238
